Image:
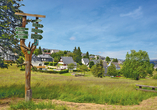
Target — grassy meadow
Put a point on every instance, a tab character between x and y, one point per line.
66	87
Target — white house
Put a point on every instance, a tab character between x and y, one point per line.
8	55
116	64
36	61
64	61
85	61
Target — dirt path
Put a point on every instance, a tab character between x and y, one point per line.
149	104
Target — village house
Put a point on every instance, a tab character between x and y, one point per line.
105	67
8	55
95	61
155	66
64	61
116	64
85	61
45	58
37	62
51	51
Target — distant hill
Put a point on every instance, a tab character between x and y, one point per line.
153	61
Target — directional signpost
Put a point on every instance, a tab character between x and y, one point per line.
36	36
22	34
37	30
37	25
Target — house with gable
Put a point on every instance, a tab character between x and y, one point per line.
64	61
8	55
85	61
51	51
95	61
37	62
155	66
45	58
105	67
116	64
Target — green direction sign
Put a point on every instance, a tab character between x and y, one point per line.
21	28
37	25
22	36
36	42
38	20
37	30
21	32
36	36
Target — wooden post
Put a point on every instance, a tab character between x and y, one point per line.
27	51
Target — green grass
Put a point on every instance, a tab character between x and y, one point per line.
117	91
33	106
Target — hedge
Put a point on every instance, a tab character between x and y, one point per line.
44	71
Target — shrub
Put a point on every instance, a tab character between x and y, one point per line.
155	76
54	63
50	63
34	69
46	63
156	69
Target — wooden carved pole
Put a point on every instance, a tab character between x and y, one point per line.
27	51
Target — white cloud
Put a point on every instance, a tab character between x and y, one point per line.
134	14
72	38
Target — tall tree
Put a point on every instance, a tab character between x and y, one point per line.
77	55
107	59
91	63
136	65
83	68
40	51
111	70
87	55
8	22
98	69
115	60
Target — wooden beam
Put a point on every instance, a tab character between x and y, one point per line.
26	14
147	90
146	86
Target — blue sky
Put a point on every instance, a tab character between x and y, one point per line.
101	27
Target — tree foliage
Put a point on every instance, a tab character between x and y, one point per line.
8	22
77	55
83	68
111	70
98	69
137	65
71	66
107	59
91	63
115	60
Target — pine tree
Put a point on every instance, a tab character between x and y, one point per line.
40	51
8	22
87	55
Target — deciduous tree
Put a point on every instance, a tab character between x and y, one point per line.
98	69
107	59
111	70
137	65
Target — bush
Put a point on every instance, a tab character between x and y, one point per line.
155	76
50	63
34	68
46	63
54	63
156	69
